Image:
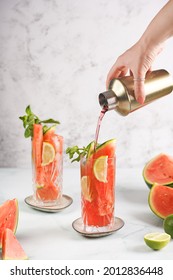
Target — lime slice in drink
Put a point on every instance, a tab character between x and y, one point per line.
157	240
91	149
86	188
48	153
39	186
100	169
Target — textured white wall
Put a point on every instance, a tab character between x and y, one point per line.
55	55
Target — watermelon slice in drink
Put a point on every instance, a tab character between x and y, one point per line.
37	143
49	192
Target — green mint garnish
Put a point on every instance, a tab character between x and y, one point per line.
30	118
75	152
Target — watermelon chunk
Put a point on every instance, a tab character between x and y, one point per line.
37	142
47	193
9	213
11	248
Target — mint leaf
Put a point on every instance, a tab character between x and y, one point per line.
50	121
28	131
75	152
30	119
28	110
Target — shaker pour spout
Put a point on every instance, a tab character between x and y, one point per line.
108	100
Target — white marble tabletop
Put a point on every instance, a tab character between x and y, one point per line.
46	236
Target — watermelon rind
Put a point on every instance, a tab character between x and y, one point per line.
5	222
168	181
108	142
106	148
164	199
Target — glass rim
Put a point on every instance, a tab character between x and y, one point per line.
94	159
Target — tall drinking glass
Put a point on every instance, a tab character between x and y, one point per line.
47	166
98	193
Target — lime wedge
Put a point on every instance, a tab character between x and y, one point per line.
86	188
48	153
48	130
100	169
157	240
39	186
91	149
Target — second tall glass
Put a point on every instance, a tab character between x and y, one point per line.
98	193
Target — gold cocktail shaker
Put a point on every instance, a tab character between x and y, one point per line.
120	95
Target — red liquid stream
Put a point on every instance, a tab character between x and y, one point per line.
102	113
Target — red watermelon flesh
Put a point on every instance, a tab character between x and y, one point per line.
159	170
11	248
47	193
8	216
106	149
37	143
161	200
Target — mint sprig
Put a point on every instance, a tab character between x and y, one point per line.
30	118
75	152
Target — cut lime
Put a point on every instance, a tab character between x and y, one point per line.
157	240
91	149
50	129
168	225
86	188
39	186
100	169
48	153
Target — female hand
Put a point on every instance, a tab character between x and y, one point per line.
136	61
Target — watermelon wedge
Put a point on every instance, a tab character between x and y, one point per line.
11	248
106	149
160	200
9	213
159	170
37	142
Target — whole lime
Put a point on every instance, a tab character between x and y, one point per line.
168	225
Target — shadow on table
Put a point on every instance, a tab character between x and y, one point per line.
134	196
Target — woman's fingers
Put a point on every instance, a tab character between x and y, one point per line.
139	89
115	72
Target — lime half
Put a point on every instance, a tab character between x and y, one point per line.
48	153
100	169
157	240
